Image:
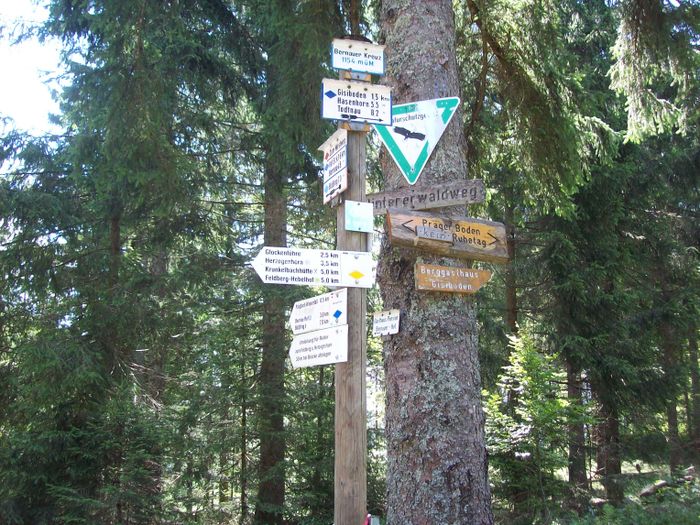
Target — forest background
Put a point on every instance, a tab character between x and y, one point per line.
143	371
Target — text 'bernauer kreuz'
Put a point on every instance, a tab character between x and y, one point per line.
357	57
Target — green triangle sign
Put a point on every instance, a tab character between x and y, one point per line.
416	129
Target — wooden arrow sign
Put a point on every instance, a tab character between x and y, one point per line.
460	237
449	279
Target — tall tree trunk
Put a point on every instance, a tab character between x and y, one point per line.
244	448
269	505
437	470
577	437
608	457
694	393
510	278
669	344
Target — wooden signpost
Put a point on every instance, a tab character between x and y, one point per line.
459	237
413	198
354	102
436	278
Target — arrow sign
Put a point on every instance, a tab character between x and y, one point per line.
306	267
356	55
355	101
322	347
322	311
335	164
459	237
416	130
449	279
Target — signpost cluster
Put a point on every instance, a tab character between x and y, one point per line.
331	328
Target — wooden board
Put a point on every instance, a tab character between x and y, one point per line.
449	279
437	196
475	239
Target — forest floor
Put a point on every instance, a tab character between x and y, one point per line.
652	497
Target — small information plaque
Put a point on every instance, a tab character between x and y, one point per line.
386	323
359	216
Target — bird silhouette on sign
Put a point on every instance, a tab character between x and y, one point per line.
408	134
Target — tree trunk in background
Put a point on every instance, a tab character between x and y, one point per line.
269	504
510	280
577	437
244	449
608	457
694	393
669	344
437	469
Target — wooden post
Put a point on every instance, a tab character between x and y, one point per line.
350	383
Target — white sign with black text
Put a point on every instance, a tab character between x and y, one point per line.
355	102
386	323
356	55
322	347
335	164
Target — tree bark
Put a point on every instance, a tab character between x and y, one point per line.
270	496
669	344
437	467
608	458
244	449
510	281
577	438
694	393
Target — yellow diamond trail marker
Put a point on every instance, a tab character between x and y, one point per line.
307	267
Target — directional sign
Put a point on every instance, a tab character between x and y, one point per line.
415	131
335	164
322	347
356	55
436	196
386	323
467	238
449	279
322	311
305	267
355	101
